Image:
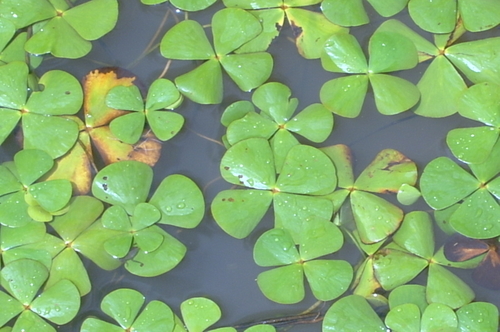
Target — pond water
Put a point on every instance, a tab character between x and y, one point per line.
216	265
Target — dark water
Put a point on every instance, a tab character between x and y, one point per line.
216	265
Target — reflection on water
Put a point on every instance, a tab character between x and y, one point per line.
216	265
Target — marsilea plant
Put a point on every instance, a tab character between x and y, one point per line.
78	185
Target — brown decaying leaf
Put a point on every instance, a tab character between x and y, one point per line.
98	116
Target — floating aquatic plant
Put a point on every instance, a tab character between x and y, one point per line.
327	278
374	217
444	183
58	28
162	94
345	95
310	28
42	112
307	173
204	84
276	121
352	13
23	279
441	86
26	198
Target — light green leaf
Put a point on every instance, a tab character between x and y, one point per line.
192	5
328	279
237	212
129	127
395	267
249	163
485	171
52	134
393	94
180	201
438	16
10	308
426	50
165	124
102	13
284	284
61	95
313	31
408	195
345	95
477	216
375	217
480	103
478	316
32	164
248	71
119	246
416	234
244	27
67	265
441	88
307	170
438	317
52	195
281	143
479	15
320	237
162	94
275	248
156	317
92	324
470	56
123	305
352	313
444	183
472	145
387	172
26	12
235	111
13	90
124	183
341	156
294	213
346	13
405	317
271	20
59	303
127	98
390	51
250	125
10	118
203	84
410	293
29	321
199	313
388	8
343	54
91	244
446	288
23	278
58	38
273	99
186	41
314	122
163	259
13	211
